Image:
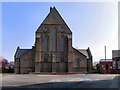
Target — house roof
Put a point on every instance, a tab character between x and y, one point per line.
20	52
86	52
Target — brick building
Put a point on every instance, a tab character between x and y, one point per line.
116	61
111	65
106	66
53	51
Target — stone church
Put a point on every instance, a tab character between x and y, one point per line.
53	51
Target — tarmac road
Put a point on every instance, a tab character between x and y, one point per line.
61	81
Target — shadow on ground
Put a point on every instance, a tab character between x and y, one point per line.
104	84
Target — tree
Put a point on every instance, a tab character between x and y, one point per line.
98	68
4	62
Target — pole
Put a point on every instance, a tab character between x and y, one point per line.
105	53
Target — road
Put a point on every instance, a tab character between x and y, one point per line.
61	81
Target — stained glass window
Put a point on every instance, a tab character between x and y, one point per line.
45	44
77	63
54	40
62	29
45	29
62	44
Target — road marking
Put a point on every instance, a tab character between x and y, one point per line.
67	80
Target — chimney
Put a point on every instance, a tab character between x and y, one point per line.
50	9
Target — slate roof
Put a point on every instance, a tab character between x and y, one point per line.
86	52
53	17
20	52
78	51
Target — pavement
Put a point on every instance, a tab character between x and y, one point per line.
60	81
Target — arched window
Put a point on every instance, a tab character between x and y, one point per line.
62	44
45	44
54	40
61	29
45	29
76	63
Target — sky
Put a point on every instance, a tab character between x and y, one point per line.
93	25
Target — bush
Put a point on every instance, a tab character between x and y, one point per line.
4	70
97	69
94	70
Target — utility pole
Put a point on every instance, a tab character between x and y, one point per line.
105	53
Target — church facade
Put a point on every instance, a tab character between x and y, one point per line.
53	51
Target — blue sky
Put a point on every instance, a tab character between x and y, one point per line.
93	24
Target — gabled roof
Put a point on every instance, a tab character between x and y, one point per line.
20	52
86	52
89	52
83	51
53	17
78	51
